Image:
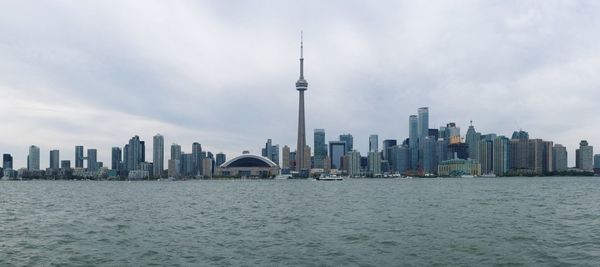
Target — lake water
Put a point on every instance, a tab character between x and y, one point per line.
503	221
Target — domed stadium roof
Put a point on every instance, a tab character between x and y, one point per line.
249	161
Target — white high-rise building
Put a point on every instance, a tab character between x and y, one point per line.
33	159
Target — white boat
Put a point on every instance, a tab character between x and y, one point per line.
332	177
467	176
488	175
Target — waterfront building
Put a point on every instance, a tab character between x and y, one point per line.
423	122
500	158
187	165
374	163
249	166
79	157
523	135
174	168
320	148
373	143
559	155
337	150
207	167
285	159
427	155
458	150
354	163
92	160
486	155
584	156
307	157
387	147
327	164
472	139
134	153
7	162
33	159
221	158
65	165
196	159
413	143
116	158
158	155
54	159
349	139
458	167
175	152
400	158
301	86
441	150
535	159
547	157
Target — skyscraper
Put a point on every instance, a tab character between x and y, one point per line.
79	157
33	159
559	155
374	163
7	162
54	159
353	163
285	159
135	153
596	161
349	139
116	158
92	158
221	158
320	148
500	158
175	152
472	140
423	127
197	159
373	143
387	146
158	155
301	86
584	156
413	143
271	151
336	152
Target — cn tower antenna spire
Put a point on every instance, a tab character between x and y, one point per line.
301	45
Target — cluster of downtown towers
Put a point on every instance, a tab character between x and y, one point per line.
419	154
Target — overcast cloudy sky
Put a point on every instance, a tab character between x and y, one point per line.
222	72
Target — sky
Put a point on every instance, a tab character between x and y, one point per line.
223	73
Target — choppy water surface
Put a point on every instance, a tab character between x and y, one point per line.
511	221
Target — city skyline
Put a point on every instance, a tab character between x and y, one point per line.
63	91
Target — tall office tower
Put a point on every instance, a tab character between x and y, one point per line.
559	156
320	148
353	163
547	157
423	124
197	158
187	165
596	161
373	143
221	158
135	153
453	133
174	168
158	155
79	157
520	135
336	152
442	133
427	156
472	139
349	139
387	147
175	152
374	163
7	162
293	160
33	159
584	156
285	159
301	86
441	150
92	158
307	158
500	156
207	167
534	156
271	151
399	158
65	165
143	151
54	159
116	157
486	155
413	141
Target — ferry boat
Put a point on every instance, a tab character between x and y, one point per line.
331	177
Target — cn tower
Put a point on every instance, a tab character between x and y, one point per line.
301	86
